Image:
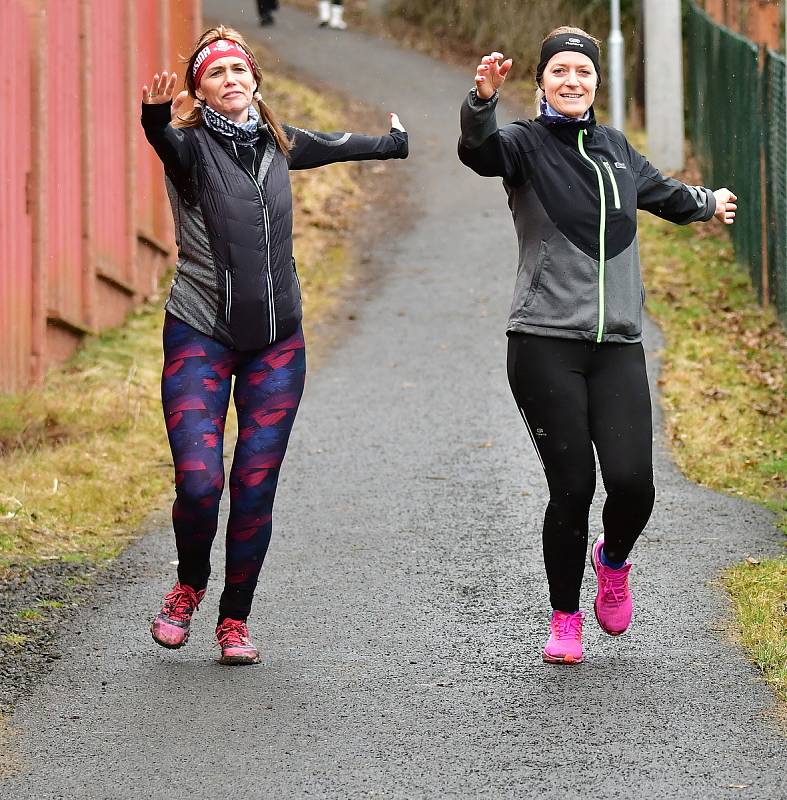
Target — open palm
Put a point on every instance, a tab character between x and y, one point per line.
490	74
161	91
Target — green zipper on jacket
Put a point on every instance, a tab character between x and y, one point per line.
601	231
614	183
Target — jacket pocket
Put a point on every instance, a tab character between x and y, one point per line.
536	279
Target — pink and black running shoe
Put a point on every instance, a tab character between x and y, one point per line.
171	627
236	646
565	639
613	604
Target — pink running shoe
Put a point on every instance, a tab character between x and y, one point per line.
171	627
236	646
613	604
565	640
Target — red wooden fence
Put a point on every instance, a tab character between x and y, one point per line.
85	229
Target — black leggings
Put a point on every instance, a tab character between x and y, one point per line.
572	395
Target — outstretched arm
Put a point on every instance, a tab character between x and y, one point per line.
170	144
675	201
485	148
316	149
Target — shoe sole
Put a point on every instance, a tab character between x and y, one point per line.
238	661
565	660
595	611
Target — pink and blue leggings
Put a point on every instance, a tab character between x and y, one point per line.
195	392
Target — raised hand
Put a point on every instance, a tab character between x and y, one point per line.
161	89
395	123
178	102
725	206
490	74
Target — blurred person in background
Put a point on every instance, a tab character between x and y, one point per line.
266	9
576	366
234	310
331	14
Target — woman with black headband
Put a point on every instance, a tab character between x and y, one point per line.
575	360
234	309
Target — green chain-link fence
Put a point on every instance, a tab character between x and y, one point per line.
736	123
776	169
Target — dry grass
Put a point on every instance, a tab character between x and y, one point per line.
84	458
724	363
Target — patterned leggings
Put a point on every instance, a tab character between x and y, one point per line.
195	392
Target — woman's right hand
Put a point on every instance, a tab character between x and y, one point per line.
161	89
490	74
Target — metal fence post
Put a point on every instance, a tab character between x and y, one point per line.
664	83
617	81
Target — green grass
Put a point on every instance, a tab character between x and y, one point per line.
29	614
84	457
16	640
760	600
51	604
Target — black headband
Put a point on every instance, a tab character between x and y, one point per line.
568	41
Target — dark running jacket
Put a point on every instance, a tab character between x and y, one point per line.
235	278
574	190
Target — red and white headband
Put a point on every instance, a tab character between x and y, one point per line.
219	49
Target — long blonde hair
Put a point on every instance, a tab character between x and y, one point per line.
194	117
562	31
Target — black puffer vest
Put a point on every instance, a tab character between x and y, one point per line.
248	219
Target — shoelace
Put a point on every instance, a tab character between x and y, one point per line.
233	633
568	626
614	585
181	603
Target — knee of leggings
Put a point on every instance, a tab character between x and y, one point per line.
630	484
199	489
572	496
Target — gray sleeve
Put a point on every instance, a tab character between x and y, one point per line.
477	119
488	150
667	197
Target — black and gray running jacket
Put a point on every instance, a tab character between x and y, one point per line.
235	278
574	189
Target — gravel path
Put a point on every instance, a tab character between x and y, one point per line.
403	605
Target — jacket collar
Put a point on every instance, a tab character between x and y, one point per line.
569	129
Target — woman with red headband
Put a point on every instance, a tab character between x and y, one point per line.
234	309
575	359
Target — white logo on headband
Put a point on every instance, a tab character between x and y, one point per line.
575	42
203	54
223	45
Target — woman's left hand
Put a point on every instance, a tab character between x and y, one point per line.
395	123
177	104
725	206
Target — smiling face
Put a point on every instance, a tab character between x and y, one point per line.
228	87
569	83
